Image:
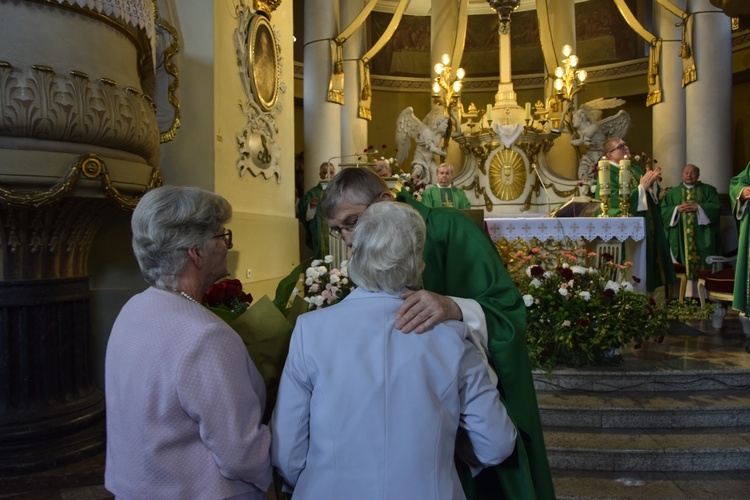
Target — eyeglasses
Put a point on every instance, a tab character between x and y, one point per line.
350	223
336	231
227	237
621	146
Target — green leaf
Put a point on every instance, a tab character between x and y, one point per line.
285	286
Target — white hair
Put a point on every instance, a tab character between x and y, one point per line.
387	248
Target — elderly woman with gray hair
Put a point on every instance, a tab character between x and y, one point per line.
366	411
184	400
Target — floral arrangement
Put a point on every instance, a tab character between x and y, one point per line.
412	185
579	313
227	295
589	181
323	286
644	161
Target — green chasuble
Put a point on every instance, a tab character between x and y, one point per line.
691	242
659	266
435	196
741	277
462	261
316	232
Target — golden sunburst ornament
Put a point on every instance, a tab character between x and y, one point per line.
507	174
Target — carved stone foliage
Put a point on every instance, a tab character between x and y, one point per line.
50	242
38	103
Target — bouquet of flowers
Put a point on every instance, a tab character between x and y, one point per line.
227	299
325	285
414	186
579	313
644	161
264	328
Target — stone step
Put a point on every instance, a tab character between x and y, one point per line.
647	450
666	410
609	379
597	485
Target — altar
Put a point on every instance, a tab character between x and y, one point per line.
513	233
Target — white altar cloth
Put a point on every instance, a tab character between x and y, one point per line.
629	230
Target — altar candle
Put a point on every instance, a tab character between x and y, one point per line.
528	111
603	173
625	176
489	112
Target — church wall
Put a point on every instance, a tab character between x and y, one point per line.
264	224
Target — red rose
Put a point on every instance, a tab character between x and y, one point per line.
608	293
537	271
566	273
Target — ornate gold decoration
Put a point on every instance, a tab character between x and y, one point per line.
336	81
479	191
266	6
72	108
507	174
91	166
166	59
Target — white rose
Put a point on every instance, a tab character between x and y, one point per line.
611	285
528	300
563	292
328	259
578	269
536	283
316	263
627	286
585	295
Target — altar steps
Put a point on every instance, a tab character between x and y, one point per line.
667	423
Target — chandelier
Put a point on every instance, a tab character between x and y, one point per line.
504	8
445	88
569	80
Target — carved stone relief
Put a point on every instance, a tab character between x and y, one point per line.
260	62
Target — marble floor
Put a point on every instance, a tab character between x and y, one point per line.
686	347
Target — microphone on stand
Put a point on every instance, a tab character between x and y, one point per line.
354	155
535	167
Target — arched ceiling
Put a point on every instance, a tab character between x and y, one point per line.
423	7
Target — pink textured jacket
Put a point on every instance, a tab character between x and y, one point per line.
184	405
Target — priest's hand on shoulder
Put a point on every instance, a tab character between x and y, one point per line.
422	310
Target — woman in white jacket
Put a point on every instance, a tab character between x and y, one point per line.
366	411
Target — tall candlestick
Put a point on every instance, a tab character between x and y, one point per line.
528	111
603	176
625	177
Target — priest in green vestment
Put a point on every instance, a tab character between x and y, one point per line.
644	202
464	279
307	212
739	194
690	213
443	194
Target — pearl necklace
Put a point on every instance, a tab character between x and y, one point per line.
188	297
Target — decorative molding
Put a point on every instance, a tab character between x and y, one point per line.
92	167
257	142
167	46
38	103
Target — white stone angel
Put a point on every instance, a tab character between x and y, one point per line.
427	134
590	131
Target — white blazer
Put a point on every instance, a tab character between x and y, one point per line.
366	411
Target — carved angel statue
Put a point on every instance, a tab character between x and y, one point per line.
590	131
427	134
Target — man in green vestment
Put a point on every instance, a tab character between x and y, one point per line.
690	213
464	279
644	202
444	194
739	194
307	212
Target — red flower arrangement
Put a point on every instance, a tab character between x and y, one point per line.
227	295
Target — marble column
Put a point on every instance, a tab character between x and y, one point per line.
353	128
668	116
709	99
322	119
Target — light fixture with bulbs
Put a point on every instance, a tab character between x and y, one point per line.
446	89
569	80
